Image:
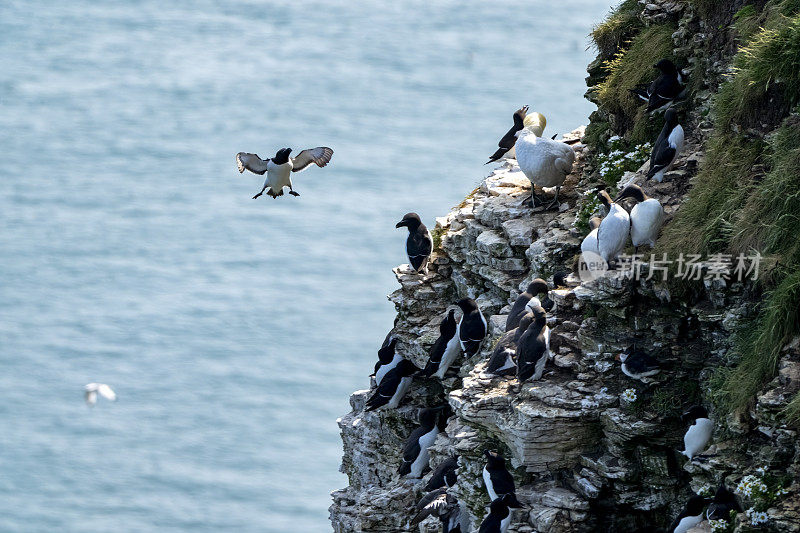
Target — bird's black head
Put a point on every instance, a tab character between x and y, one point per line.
411	221
670	118
499	507
282	156
666	66
694	412
560	277
494	459
537	286
524	324
467	305
539	317
632	191
695	504
604	198
427	417
448	323
405	368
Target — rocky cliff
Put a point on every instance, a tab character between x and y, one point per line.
592	449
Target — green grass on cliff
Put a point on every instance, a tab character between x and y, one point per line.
619	27
630	67
746	198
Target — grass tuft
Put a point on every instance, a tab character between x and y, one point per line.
620	26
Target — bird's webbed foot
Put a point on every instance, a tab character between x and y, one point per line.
294	193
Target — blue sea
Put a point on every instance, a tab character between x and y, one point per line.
233	330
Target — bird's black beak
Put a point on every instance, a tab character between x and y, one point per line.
402	223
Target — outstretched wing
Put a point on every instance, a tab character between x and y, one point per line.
320	156
106	392
251	162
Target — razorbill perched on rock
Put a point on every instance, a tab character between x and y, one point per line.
613	231
535	122
503	361
387	358
444	475
527	301
415	451
646	217
667	148
499	516
638	365
91	390
665	89
279	168
543	161
699	433
447	331
471	327
722	504
441	504
690	516
498	480
533	348
419	243
393	387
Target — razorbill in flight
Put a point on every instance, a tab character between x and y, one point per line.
441	504
415	451
447	332
612	235
419	243
93	389
387	358
534	122
638	365
503	361
646	217
699	433
498	480
499	517
723	503
444	475
664	90
690	516
279	168
393	387
527	301
543	161
471	327
533	348
667	148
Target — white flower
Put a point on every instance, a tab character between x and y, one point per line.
629	395
757	517
750	486
718	525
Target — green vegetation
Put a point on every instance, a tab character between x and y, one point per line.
629	68
436	235
671	399
620	26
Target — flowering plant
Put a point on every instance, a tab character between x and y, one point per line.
629	395
620	159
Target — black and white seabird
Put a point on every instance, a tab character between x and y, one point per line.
503	361
393	387
279	168
646	217
667	148
444	475
545	162
415	451
498	480
499	517
527	301
690	516
638	365
665	89
533	348
447	333
699	433
441	504
419	243
612	235
387	358
722	504
471	327
535	122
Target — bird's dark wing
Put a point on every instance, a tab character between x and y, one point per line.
662	156
384	391
251	162
320	156
529	351
641	92
443	472
502	482
641	362
517	311
437	350
411	450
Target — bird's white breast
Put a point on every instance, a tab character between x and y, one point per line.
279	176
543	161
487	479
646	220
383	369
450	354
697	437
402	388
589	243
687	523
613	233
422	459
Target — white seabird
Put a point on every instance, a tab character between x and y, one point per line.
543	161
93	389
